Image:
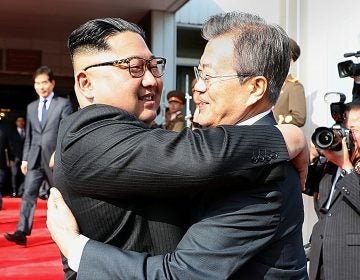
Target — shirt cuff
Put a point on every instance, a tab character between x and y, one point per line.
76	251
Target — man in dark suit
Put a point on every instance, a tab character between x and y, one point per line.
254	232
87	166
335	250
17	138
43	119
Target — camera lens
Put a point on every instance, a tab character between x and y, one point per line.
323	138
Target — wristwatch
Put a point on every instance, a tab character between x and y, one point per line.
347	171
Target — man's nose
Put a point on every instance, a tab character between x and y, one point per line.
149	78
200	86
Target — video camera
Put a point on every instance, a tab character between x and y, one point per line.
348	68
330	138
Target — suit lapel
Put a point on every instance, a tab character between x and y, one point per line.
34	114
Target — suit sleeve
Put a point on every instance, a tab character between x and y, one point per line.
232	232
213	248
349	186
128	160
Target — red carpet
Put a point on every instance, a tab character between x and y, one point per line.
40	259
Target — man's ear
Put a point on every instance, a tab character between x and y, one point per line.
257	87
83	84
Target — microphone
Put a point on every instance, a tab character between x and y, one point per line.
356	54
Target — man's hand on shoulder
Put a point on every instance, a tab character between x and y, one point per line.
61	222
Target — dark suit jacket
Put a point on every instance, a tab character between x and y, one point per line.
214	247
337	233
106	156
356	92
16	143
41	142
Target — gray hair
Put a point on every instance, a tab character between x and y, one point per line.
260	49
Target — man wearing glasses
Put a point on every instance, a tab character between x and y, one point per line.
131	186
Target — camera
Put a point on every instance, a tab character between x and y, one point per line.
348	68
330	138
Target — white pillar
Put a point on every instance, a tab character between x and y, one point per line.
163	40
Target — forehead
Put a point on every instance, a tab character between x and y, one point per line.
41	78
218	51
121	45
353	118
128	44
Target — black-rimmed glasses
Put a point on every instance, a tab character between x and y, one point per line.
137	65
199	74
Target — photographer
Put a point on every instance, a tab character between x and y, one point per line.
348	68
335	240
356	89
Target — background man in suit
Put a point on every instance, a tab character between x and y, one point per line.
335	251
17	138
233	233
43	118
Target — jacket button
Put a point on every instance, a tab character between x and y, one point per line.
274	155
254	159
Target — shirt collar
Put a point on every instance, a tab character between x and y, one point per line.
254	119
49	98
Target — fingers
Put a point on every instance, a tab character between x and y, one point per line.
54	198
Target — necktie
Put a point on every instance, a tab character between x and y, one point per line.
43	113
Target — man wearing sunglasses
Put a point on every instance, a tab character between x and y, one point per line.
132	186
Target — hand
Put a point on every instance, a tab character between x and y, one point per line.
61	222
52	160
23	167
314	153
340	158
